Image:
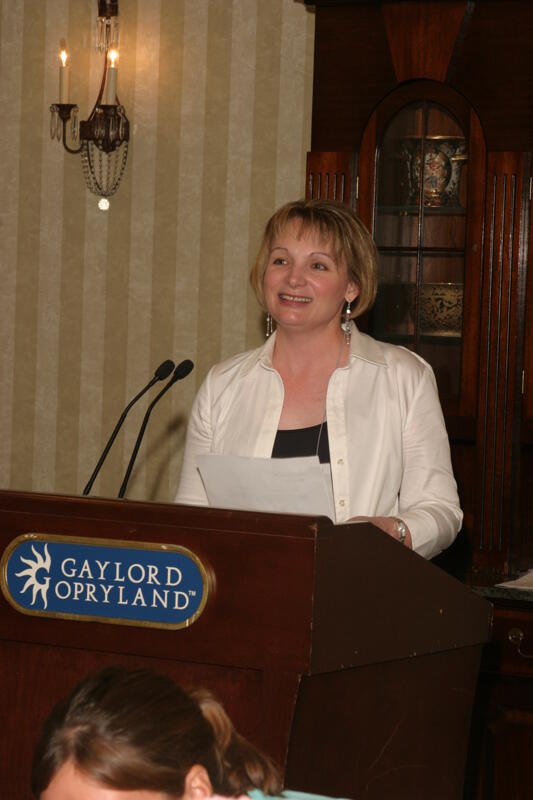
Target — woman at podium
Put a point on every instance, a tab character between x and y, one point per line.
318	387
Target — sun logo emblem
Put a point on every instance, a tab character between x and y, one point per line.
33	581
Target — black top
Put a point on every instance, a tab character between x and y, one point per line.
302	442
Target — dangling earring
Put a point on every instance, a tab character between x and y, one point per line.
268	325
345	324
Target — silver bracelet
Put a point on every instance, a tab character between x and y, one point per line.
401	529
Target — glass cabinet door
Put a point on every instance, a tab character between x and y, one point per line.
419	229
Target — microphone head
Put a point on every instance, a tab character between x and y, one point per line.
183	369
164	370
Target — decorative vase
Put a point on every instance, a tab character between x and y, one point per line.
441	309
444	158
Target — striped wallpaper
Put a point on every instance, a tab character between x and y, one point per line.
218	93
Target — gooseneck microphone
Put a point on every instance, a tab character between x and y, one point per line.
181	371
162	372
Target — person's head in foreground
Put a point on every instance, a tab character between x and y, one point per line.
135	735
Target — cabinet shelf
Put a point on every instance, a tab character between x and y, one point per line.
412	250
411	285
429	211
436	337
442	337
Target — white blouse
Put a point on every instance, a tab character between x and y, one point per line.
389	449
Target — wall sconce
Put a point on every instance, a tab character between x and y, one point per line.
103	138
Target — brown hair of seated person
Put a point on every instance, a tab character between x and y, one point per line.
138	730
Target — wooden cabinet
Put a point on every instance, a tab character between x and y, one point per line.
421	178
502	726
422	122
440	173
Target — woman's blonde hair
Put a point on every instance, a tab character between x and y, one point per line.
344	232
138	730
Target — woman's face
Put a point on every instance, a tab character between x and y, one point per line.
304	286
70	784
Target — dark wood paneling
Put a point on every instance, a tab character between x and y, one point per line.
450	616
523	532
501	741
498	766
433	31
494	70
415	703
491	65
353	70
509	654
527	407
331	176
473	269
259	703
366	165
501	264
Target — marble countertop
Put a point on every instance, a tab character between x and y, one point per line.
505	593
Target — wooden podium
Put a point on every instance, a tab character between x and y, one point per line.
348	658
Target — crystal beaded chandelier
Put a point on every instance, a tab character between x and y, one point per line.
103	138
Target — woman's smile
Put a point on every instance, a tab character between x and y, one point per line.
291	298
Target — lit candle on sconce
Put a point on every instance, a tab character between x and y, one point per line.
112	69
64	77
103	138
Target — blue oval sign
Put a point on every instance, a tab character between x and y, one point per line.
128	583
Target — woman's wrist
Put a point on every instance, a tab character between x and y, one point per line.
401	529
393	526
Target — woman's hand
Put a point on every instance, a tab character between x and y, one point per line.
387	524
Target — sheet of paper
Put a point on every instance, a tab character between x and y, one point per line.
523	582
277	485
